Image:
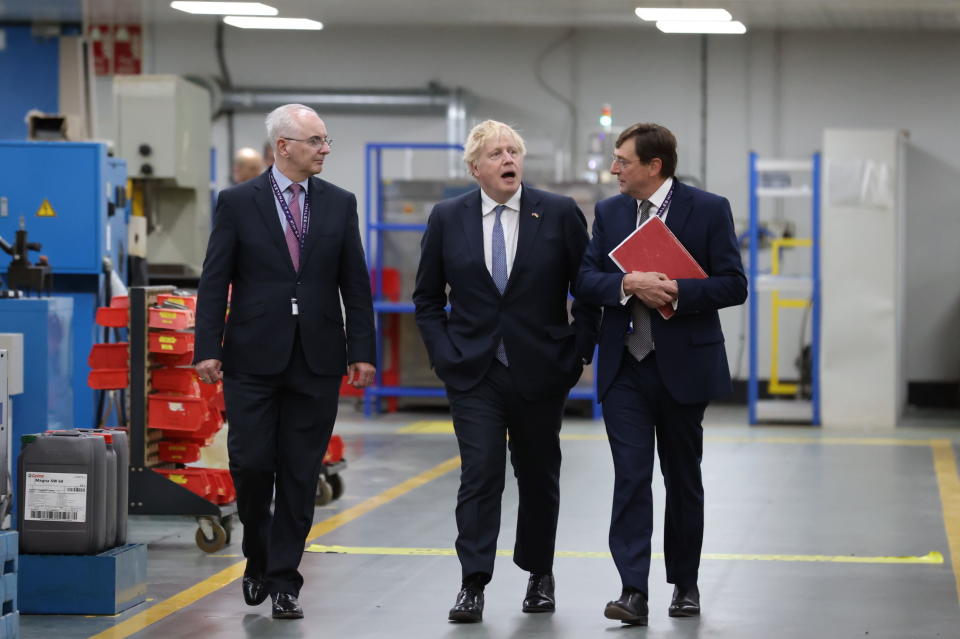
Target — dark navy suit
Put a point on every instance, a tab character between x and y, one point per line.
663	397
282	372
545	352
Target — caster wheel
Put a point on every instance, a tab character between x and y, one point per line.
324	492
217	539
336	483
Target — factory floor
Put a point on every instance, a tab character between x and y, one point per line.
810	533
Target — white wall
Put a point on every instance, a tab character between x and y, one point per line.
766	92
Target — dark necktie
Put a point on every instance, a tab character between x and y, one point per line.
498	263
640	341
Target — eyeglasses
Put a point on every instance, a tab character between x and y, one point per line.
315	141
622	163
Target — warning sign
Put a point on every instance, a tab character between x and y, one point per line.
46	210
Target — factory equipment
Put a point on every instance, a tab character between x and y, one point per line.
71	198
163	132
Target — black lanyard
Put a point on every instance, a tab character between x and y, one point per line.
301	237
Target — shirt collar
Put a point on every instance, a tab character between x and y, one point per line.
660	194
283	182
487	203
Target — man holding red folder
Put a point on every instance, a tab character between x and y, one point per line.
655	376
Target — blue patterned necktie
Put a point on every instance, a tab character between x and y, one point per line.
498	259
640	341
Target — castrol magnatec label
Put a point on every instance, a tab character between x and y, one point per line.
55	497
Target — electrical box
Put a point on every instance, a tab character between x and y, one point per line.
164	134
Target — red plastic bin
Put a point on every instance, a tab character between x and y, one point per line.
179	451
334	450
176	413
173	319
172	360
204	433
116	355
176	380
112	317
190	301
171	342
196	480
108	378
226	493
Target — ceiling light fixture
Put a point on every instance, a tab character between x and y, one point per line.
225	8
677	26
675	13
249	22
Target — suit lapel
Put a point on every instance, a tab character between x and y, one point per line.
317	198
472	219
527	227
680	208
267	207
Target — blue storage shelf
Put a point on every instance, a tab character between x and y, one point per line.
373	181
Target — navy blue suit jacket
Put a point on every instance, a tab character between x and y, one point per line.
690	350
546	352
247	248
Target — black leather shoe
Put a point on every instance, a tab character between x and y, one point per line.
630	608
286	606
254	591
686	602
469	606
540	594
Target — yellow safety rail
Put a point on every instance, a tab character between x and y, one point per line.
774	386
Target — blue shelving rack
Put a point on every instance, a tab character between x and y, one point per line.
373	190
774	282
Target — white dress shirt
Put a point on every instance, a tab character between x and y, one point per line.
657	200
283	182
509	219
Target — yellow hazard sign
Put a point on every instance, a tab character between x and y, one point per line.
46	210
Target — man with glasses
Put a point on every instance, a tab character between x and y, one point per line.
656	376
289	244
505	256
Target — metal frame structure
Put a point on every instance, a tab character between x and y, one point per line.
373	182
776	283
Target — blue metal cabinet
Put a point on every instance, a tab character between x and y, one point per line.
72	199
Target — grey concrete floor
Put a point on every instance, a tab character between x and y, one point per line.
785	494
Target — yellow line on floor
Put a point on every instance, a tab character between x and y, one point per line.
445	427
932	557
226	576
945	466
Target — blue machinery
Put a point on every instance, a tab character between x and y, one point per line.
786	403
373	185
72	199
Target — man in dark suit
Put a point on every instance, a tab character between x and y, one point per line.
507	353
290	246
656	376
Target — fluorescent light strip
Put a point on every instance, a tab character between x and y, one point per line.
682	26
675	13
304	24
225	8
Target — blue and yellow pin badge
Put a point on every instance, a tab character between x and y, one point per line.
536	215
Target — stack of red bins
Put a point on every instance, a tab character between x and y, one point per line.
187	412
110	363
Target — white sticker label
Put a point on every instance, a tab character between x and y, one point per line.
55	497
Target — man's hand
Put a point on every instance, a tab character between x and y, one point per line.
360	374
651	288
209	371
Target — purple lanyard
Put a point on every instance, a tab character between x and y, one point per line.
662	209
286	211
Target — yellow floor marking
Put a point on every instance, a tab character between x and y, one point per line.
441	427
226	576
932	557
945	466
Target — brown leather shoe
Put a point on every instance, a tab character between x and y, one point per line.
630	608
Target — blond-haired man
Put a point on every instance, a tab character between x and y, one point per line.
507	353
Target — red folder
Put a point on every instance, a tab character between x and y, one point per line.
653	247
